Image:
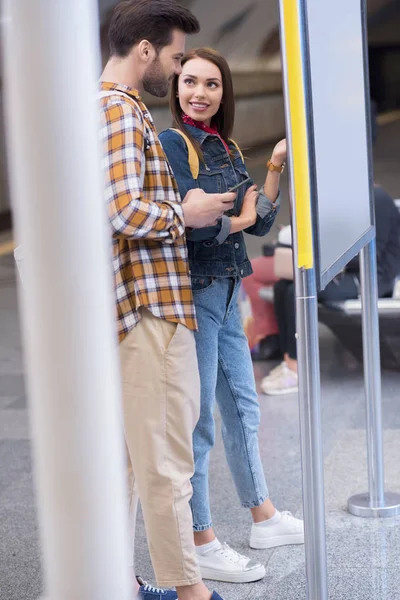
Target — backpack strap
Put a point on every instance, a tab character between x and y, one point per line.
237	148
193	159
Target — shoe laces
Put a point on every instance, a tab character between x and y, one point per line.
149	588
231	554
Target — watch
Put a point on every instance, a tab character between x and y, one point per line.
272	167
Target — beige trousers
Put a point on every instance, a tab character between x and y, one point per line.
161	397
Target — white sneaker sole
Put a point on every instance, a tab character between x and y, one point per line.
242	577
283	392
275	542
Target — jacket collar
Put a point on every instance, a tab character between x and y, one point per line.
198	134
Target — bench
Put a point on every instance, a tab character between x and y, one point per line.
344	320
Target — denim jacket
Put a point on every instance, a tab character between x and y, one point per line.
213	251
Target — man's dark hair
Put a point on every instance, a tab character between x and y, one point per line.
153	20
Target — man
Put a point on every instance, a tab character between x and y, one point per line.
156	315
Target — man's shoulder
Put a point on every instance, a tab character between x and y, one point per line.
124	103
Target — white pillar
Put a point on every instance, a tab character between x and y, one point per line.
51	66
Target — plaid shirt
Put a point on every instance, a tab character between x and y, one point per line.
150	259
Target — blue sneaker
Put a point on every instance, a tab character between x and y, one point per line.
148	592
216	596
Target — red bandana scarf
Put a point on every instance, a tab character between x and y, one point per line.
199	125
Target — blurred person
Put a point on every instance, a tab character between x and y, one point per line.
262	332
202	105
155	308
346	286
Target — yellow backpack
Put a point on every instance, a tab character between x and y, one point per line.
193	159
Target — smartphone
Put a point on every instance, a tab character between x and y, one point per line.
239	185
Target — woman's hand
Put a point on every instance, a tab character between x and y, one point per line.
279	154
249	208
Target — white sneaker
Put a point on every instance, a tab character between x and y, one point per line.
275	372
279	383
225	564
285	532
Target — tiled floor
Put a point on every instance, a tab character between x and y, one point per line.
363	556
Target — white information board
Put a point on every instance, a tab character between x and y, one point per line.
327	90
338	91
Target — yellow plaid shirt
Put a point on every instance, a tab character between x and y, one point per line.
150	259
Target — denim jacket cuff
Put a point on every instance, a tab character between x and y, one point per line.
224	231
264	204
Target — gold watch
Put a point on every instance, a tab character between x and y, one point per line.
272	167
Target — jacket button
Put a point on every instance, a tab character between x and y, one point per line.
208	243
236	245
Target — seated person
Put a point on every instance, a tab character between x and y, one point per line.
261	327
346	286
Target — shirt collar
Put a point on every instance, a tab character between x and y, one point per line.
109	86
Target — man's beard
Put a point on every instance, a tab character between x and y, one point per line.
154	80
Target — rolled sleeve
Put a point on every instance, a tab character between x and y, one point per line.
217	233
264	204
225	230
266	213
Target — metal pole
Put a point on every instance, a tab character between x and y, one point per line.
375	503
298	109
51	64
372	372
310	429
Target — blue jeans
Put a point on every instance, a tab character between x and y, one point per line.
226	375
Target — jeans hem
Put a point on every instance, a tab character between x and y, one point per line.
202	527
258	502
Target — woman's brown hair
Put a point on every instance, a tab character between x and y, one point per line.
225	117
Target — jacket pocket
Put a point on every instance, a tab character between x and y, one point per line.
211	181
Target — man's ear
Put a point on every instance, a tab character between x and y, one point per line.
146	51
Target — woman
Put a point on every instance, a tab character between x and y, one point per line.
202	105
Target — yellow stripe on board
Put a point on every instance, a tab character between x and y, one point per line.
299	134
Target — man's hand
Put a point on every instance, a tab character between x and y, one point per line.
201	209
